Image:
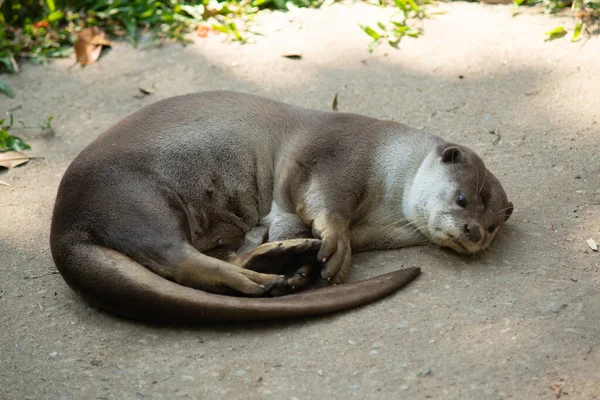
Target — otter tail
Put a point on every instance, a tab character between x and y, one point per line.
116	283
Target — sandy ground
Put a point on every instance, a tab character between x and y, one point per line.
513	323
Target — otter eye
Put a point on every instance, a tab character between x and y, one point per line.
492	228
461	200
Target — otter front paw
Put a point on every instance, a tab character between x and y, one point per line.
335	253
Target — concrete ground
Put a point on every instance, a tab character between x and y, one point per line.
521	321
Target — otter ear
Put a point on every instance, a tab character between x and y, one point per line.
508	211
451	154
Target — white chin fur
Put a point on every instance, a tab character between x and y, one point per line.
460	247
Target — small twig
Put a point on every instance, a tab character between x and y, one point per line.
41	276
23	158
15	108
1	294
42	252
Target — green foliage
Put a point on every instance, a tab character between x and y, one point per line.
399	25
556	33
9	142
42	29
585	12
4	88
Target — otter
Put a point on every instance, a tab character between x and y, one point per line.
152	218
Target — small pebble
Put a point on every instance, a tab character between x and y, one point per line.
556	307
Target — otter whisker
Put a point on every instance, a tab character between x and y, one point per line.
483	182
503	210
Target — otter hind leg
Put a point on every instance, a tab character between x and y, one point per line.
204	272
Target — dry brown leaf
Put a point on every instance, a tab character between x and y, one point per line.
146	89
89	45
41	24
206	31
11	159
557	391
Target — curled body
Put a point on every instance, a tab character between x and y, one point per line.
151	217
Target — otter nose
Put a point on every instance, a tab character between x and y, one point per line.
473	232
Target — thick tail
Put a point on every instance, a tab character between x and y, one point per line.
116	283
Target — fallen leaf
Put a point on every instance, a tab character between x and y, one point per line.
592	243
334	106
557	391
11	159
556	33
147	90
4	88
89	45
292	56
42	24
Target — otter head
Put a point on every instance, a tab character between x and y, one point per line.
455	201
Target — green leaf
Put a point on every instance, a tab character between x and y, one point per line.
412	32
61	52
55	16
401	4
13	143
220	28
8	64
556	33
369	31
51	6
400	27
280	4
577	31
395	42
413	5
374	45
197	12
147	14
258	3
233	29
4	88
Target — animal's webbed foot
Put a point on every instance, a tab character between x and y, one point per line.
295	258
